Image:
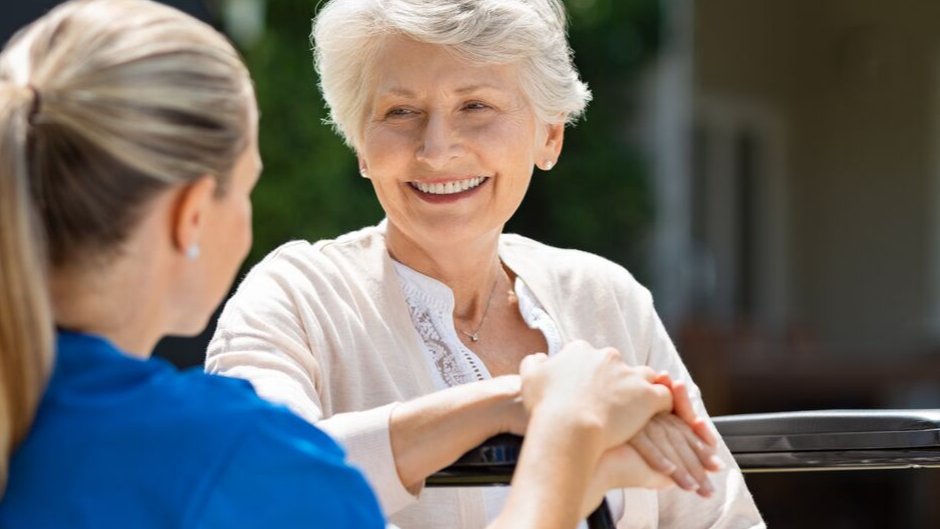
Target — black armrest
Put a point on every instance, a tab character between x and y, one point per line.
492	463
833	439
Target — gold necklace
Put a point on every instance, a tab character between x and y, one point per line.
475	335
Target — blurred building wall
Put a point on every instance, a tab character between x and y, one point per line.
814	200
813	169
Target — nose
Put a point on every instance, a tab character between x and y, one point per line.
440	142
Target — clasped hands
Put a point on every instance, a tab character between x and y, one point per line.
650	435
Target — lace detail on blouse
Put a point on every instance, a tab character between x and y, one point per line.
449	365
431	306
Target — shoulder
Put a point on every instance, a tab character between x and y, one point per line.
350	255
219	409
346	246
311	274
569	269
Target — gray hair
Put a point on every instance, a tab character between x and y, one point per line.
103	104
530	33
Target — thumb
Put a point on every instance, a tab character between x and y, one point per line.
531	362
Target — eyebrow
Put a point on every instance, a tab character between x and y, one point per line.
404	92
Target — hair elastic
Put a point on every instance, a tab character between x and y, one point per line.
36	106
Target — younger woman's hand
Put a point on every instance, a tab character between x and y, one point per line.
595	389
618	468
512	416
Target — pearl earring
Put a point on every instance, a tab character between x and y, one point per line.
548	165
192	253
363	173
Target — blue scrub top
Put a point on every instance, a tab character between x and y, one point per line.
120	442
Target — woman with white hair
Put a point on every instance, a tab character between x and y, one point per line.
404	340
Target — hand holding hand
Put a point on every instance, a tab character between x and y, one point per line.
593	388
621	467
680	444
683	408
669	446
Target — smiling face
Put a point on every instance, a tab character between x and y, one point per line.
449	146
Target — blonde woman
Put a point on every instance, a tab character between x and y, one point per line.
127	155
403	340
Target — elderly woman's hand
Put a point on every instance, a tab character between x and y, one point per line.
680	444
669	446
593	389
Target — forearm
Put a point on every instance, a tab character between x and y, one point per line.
553	473
432	431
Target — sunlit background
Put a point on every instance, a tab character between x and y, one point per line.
769	168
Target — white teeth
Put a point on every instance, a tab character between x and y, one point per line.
450	187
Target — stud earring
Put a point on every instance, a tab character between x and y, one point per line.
363	173
192	253
548	165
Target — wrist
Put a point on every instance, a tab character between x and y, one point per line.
582	428
505	397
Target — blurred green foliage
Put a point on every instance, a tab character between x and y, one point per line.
597	198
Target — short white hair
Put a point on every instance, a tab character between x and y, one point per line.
530	33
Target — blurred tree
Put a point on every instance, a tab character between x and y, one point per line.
596	199
310	188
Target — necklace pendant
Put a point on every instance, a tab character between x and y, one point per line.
475	337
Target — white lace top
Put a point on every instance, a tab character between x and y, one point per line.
431	304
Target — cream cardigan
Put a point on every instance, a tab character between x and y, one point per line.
324	329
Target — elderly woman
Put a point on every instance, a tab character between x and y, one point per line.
403	339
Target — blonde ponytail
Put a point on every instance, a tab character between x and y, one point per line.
25	315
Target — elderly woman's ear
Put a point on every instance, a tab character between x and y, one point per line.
550	146
363	170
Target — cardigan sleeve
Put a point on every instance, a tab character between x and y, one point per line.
261	337
731	506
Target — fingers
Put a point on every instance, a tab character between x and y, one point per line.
662	398
623	467
693	453
706	454
590	387
650	453
668	445
685	410
663	377
650	375
657	430
531	362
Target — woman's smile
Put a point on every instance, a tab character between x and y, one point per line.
439	192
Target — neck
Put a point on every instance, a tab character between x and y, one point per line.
469	268
123	298
107	303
